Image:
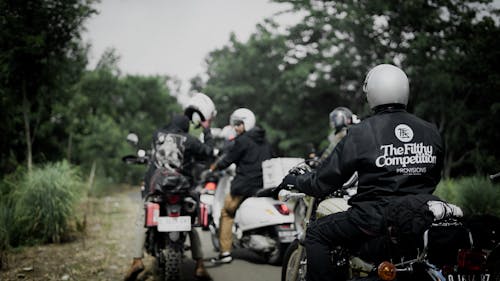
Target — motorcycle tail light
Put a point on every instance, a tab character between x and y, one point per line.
173	199
204	215
174	214
282	209
386	271
471	259
210	186
152	214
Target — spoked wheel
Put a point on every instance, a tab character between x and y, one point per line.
294	263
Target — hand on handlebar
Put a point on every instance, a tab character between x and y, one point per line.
289	182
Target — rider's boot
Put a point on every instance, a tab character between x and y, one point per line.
134	270
200	272
224	257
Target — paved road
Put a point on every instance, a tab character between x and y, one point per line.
246	266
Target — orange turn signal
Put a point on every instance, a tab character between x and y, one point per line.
386	271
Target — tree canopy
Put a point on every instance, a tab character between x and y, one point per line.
293	80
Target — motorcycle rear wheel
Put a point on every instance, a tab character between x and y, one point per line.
294	268
170	263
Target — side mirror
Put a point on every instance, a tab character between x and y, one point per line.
130	159
133	139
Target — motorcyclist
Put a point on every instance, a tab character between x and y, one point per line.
249	150
395	153
340	119
188	150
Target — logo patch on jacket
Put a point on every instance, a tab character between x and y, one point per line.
403	132
410	158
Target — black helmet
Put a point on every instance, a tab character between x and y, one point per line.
340	117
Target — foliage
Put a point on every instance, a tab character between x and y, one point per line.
293	79
40	206
41	57
475	195
105	108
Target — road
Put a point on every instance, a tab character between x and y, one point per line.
245	266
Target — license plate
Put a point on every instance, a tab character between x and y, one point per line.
287	236
468	277
169	224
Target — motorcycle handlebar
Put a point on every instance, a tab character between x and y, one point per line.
286	195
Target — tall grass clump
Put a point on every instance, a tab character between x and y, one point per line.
45	203
475	195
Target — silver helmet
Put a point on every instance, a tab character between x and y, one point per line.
386	84
340	117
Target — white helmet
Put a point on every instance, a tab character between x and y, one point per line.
386	84
244	115
200	108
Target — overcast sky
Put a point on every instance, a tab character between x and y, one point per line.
171	37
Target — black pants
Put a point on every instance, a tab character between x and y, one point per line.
324	234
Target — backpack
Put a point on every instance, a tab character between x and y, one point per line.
407	217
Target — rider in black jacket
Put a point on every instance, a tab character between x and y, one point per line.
249	150
395	154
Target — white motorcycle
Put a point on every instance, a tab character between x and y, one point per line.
261	224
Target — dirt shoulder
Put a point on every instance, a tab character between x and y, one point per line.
104	253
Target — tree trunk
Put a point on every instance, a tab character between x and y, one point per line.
27	129
70	145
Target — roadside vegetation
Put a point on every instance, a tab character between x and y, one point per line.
475	195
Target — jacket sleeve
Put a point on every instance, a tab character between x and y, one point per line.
332	173
235	153
203	149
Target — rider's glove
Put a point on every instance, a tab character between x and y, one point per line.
289	182
300	169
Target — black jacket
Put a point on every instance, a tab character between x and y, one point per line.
189	148
394	152
250	149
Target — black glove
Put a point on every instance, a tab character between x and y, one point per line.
300	169
289	182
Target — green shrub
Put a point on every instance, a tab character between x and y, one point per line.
475	195
45	203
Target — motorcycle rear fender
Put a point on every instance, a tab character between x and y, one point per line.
257	212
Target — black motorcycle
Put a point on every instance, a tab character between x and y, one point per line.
445	251
171	210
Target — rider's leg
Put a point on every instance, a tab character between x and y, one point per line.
335	229
197	254
138	251
231	204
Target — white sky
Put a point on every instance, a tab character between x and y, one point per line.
171	37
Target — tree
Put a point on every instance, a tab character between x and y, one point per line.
444	46
105	107
40	58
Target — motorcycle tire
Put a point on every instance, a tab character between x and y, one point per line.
170	263
292	270
214	237
276	256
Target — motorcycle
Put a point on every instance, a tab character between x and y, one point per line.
171	210
261	223
445	251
